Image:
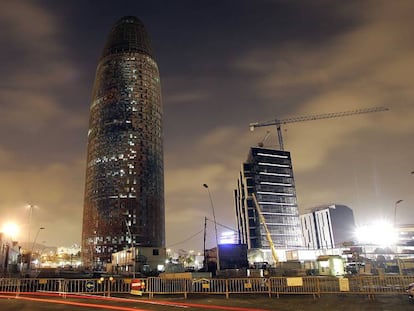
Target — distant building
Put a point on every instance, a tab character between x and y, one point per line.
71	250
268	174
328	226
9	255
405	234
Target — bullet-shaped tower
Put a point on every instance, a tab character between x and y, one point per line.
124	186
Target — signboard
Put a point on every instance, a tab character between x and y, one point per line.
205	283
344	285
294	281
247	285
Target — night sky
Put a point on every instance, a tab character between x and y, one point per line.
223	65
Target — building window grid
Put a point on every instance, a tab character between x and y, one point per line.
114	141
269	181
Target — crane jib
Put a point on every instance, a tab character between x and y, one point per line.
279	122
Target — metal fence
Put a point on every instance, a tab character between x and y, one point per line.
273	286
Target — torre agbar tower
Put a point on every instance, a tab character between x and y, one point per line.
124	186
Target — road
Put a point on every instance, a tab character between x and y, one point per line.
206	303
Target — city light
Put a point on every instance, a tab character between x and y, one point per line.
10	229
228	237
381	233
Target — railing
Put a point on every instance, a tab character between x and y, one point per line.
273	286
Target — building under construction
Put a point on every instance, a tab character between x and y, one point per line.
266	204
268	176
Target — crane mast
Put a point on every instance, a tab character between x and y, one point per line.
268	236
279	122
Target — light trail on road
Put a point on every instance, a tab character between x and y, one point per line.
72	303
120	308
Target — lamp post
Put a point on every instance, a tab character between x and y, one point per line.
395	229
395	212
204	245
215	225
34	242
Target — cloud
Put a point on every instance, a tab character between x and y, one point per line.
217	153
6	157
215	159
366	66
55	189
187	201
32	27
38	73
185	97
378	53
28	111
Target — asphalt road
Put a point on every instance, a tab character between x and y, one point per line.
208	303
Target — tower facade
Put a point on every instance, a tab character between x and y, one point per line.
124	185
268	174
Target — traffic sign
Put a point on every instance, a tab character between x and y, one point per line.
137	286
90	286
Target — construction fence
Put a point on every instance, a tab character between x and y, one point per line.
273	286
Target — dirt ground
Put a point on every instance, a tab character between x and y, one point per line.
308	303
210	303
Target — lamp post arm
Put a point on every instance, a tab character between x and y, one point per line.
395	212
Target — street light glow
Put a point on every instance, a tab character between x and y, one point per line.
10	229
380	233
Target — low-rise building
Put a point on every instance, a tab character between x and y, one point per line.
328	226
144	260
9	255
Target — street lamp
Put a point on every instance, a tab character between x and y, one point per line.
395	211
34	242
395	228
215	225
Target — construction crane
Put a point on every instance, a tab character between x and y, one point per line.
279	122
261	143
268	236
